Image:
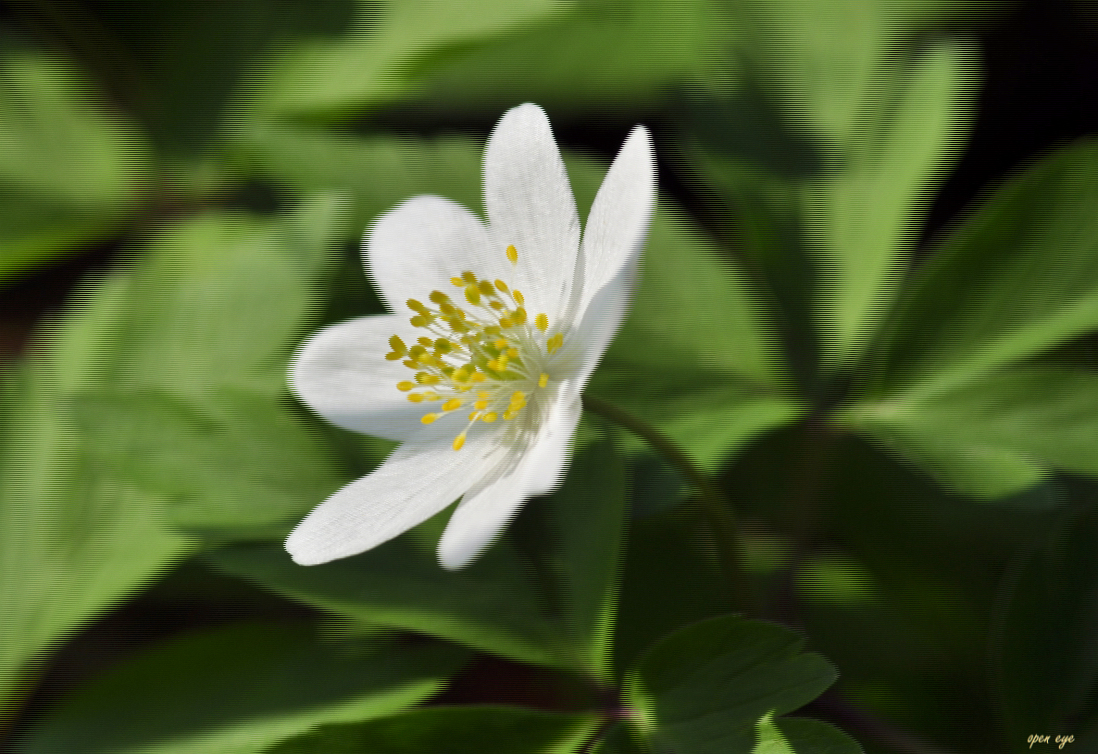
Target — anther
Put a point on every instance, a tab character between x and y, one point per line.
512	254
517	296
459	441
541	322
543	380
405	386
472	294
452	405
429	418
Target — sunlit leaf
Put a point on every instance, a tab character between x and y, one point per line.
239	689
376	58
1038	417
1018	277
70	170
234	464
600	55
791	735
454	730
73	540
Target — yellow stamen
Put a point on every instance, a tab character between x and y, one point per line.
405	386
502	286
459	441
452	405
516	294
398	345
458	282
429	418
486	288
480	405
543	380
519	315
469	277
512	254
472	294
439	297
490	417
415	397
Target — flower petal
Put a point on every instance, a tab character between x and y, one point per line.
530	206
487	508
415	482
620	215
342	374
420	244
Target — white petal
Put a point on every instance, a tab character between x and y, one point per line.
548	459
342	374
419	245
415	482
530	206
487	508
620	215
600	323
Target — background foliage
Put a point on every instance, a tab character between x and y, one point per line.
867	315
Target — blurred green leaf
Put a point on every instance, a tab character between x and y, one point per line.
240	689
1018	277
618	741
551	606
791	735
377	58
865	220
73	541
198	410
601	55
70	170
828	155
703	688
716	377
221	300
233	464
1038	417
454	730
1045	668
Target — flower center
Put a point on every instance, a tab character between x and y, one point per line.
488	356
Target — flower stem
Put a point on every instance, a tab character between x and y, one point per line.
714	505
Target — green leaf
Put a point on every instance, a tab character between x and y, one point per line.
865	220
716	377
703	688
793	735
454	730
617	741
234	464
203	319
377	58
1033	417
70	171
827	156
1044	666
604	55
540	604
240	689
74	540
1032	249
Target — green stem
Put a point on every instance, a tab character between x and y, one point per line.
714	505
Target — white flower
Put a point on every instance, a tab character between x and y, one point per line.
483	383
